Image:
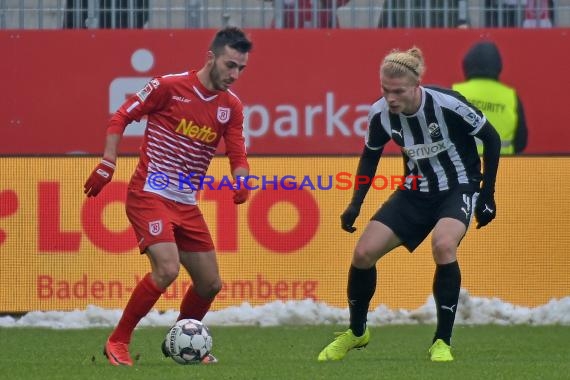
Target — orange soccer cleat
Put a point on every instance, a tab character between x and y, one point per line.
118	353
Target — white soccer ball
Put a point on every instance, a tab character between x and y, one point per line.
188	341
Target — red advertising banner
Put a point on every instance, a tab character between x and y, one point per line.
305	91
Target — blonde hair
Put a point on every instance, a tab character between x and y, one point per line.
401	63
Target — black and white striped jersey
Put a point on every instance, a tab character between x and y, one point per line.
437	141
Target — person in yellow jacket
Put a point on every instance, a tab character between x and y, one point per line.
500	103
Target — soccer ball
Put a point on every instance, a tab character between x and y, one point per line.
188	341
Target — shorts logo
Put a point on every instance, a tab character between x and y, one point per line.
155	227
467	208
223	114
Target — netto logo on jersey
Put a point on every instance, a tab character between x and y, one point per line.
202	133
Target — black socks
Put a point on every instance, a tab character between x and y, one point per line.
446	286
361	288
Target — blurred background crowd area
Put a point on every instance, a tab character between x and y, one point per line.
178	14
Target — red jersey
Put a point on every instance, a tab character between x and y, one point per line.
185	124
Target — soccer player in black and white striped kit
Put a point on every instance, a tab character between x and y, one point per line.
436	131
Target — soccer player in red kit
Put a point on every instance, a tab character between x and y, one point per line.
188	114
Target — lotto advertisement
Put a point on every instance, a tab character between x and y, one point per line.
63	251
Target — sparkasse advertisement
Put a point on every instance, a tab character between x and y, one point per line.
314	101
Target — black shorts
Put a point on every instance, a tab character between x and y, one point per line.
412	215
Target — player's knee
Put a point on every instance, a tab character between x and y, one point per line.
210	289
444	249
166	274
215	288
362	258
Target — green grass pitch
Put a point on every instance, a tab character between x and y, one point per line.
267	353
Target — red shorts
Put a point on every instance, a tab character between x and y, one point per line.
157	220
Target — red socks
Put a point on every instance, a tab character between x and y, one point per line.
193	306
143	298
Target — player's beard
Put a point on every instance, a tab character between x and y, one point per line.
216	79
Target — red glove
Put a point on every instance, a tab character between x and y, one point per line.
241	191
100	176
